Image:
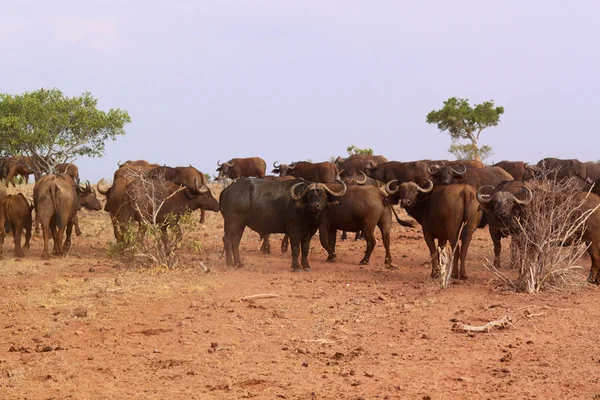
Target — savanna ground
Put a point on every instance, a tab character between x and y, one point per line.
89	327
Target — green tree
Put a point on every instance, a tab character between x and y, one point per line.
52	128
353	150
464	122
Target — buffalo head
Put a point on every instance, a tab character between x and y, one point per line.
504	205
283	169
446	174
224	169
316	196
202	196
87	197
407	192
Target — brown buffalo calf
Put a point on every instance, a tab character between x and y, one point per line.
15	211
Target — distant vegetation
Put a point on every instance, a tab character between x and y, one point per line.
353	150
464	122
52	128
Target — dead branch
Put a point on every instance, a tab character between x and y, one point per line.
501	323
259	296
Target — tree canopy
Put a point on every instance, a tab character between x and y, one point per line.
464	122
52	128
353	150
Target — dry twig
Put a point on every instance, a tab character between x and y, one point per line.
501	323
259	296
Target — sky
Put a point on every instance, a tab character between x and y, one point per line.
291	80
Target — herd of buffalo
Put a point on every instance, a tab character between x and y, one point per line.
449	199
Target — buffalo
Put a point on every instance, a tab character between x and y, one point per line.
592	170
559	169
508	204
69	169
357	163
133	168
461	173
184	176
361	208
519	170
242	167
56	199
15	211
17	165
412	171
295	207
323	172
444	212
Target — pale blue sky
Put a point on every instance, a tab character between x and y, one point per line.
291	80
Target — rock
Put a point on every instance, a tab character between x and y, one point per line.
118	281
79	312
92	269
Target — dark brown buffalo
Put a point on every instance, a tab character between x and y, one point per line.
361	208
519	170
592	170
120	211
475	177
412	171
513	194
508	204
352	180
17	165
242	167
323	172
56	199
441	211
132	168
15	211
357	163
69	169
184	176
555	168
296	208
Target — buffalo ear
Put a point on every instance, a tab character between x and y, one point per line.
333	203
485	207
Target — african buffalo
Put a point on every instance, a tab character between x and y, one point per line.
133	168
441	211
355	164
592	170
361	208
185	176
56	199
559	169
121	212
296	208
400	171
17	165
15	211
69	169
511	211
242	167
323	172
519	170
460	173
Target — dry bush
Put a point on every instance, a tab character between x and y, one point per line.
152	240
547	239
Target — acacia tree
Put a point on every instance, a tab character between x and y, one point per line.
353	150
52	128
464	122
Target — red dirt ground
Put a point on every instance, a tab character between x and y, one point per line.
341	331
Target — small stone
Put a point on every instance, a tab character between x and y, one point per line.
305	364
118	281
463	379
92	269
78	333
79	312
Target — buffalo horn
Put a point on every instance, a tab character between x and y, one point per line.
230	163
459	172
528	198
219	163
293	191
484	198
274	165
331	192
428	189
364	178
202	189
433	169
388	187
103	186
120	164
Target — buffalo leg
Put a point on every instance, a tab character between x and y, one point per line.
497	240
295	243
45	238
464	248
57	248
37	224
17	230
27	233
430	241
305	247
594	252
359	235
370	239
265	248
228	248
285	243
2	235
326	237
237	238
76	221
344	235
385	227
67	244
202	216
